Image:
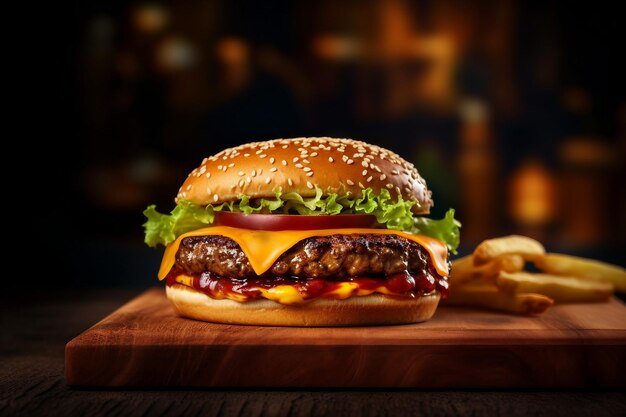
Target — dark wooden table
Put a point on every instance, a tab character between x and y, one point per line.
36	328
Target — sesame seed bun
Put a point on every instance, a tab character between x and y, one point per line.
303	165
354	311
300	165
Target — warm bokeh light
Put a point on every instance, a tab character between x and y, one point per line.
511	110
150	17
532	195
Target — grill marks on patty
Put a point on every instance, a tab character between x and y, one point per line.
337	256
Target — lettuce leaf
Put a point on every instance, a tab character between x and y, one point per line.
165	228
446	229
186	216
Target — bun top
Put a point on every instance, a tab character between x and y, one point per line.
300	165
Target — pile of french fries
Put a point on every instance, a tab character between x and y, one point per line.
494	277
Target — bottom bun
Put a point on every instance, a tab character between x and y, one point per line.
354	311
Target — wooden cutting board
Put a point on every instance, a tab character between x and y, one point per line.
144	344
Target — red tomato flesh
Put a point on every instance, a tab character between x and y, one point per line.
294	221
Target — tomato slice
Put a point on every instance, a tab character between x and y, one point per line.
294	221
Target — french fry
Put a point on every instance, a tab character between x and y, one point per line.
559	288
494	277
488	296
524	246
508	263
557	264
463	269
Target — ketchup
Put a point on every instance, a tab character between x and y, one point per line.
401	284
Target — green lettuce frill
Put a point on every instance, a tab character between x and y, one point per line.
186	216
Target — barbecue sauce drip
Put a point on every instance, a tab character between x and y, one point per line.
400	284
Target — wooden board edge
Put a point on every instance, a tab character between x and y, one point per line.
474	367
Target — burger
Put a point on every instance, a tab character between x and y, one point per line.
304	232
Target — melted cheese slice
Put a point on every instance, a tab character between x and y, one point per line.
264	247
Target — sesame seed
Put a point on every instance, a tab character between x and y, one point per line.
208	175
344	158
284	162
330	159
272	160
309	174
289	181
215	197
314	154
262	156
253	173
382	177
285	146
240	173
305	161
189	187
390	186
268	180
273	169
208	190
308	184
299	165
395	172
369	178
364	164
350	182
219	167
361	185
259	151
240	183
295	159
350	162
307	169
232	164
248	180
364	172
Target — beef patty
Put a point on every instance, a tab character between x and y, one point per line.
336	256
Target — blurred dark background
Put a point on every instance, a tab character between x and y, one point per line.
514	112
